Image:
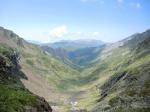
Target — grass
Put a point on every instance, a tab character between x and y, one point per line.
15	99
113	62
6	52
45	65
13	96
125	109
29	62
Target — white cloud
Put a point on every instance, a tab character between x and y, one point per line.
96	33
58	31
79	33
62	33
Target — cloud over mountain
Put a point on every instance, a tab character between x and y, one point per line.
58	31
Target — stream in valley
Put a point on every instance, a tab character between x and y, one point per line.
74	100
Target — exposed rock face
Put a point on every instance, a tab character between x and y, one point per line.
60	53
15	58
7	33
134	95
106	88
11	39
80	110
42	106
128	89
11	74
3	69
20	42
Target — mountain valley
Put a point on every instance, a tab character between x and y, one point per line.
75	76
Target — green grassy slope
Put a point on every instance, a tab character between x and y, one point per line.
13	96
42	69
84	57
104	81
38	61
44	64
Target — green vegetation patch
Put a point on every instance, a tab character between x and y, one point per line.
30	62
14	99
6	53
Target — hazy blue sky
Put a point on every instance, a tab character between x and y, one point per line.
51	20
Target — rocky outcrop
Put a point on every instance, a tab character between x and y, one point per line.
130	90
106	88
11	39
60	53
42	106
15	58
20	42
10	76
3	69
80	110
8	34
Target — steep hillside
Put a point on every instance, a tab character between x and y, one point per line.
13	95
114	71
77	58
119	81
61	54
45	73
35	59
84	57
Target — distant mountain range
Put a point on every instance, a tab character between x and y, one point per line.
75	44
76	53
